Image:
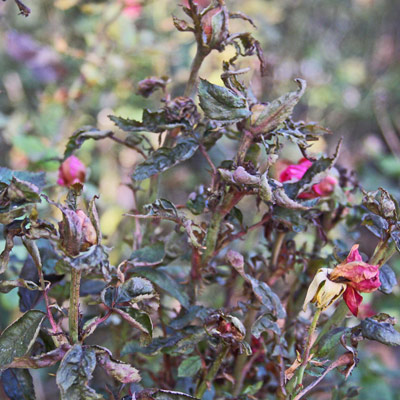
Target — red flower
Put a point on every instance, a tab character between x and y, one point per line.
71	171
358	276
295	172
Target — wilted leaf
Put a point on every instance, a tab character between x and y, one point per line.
148	255
267	117
17	384
6	286
119	370
165	158
263	323
81	135
188	316
387	278
164	282
17	339
375	224
159	394
162	208
269	300
75	372
156	122
222	104
382	332
132	291
189	367
41	361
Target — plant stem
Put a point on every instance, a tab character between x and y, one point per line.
238	373
306	353
74	305
210	376
201	54
246	141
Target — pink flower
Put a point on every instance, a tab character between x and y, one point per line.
358	276
71	171
132	9
295	172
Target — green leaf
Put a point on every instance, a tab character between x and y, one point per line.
192	313
143	319
222	104
189	367
148	255
164	282
81	135
267	117
17	339
17	384
37	178
165	158
75	372
330	341
382	332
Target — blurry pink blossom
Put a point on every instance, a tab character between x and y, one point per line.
132	9
71	171
294	172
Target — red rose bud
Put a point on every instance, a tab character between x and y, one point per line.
295	172
358	276
71	171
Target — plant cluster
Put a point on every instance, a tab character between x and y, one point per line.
258	343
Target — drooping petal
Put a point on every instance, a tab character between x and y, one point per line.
354	255
322	291
353	300
329	293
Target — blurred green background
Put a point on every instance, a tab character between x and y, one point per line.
73	62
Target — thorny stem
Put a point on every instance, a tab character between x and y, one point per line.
306	354
74	305
212	372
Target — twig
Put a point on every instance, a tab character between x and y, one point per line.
210	163
74	304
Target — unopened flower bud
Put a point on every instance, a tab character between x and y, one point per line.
71	171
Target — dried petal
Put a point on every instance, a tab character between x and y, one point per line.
322	291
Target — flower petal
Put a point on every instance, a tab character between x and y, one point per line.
353	300
354	255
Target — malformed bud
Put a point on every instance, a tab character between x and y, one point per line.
77	232
182	109
147	86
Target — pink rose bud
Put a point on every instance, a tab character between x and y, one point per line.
295	172
71	171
